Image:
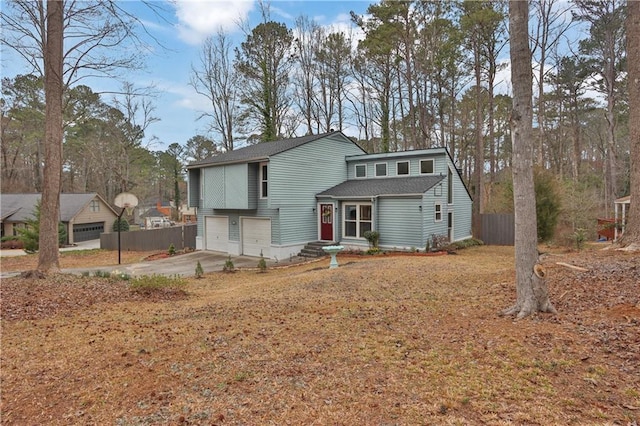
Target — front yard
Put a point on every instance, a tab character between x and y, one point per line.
380	340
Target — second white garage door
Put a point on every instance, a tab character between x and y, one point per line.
256	237
217	233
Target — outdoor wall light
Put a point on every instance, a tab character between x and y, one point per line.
234	222
420	208
314	209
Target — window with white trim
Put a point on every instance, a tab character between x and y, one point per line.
438	212
357	219
402	168
426	167
361	170
381	169
264	181
94	206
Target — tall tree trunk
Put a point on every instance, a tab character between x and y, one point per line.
48	258
531	289
632	231
478	164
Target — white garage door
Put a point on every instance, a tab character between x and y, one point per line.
216	231
256	237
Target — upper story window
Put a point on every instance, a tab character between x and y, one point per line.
438	212
381	169
426	167
94	206
264	181
402	168
361	170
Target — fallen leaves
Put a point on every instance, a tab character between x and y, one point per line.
380	340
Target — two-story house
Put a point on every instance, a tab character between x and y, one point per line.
275	197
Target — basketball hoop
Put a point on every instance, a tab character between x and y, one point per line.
127	202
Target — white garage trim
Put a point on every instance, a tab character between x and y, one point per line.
216	231
256	236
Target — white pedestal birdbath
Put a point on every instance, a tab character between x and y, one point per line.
333	250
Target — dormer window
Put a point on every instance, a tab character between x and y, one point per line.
264	182
361	170
381	169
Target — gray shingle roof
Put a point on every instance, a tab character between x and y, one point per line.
259	151
21	207
382	186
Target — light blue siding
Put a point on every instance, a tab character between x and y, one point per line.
236	187
213	188
430	226
399	222
462	205
438	156
297	175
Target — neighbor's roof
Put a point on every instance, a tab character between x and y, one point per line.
355	188
21	207
260	151
153	212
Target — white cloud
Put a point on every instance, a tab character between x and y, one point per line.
198	19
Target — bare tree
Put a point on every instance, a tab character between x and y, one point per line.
604	51
308	36
551	25
531	289
264	61
65	42
631	236
48	259
333	58
216	80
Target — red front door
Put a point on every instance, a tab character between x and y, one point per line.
326	222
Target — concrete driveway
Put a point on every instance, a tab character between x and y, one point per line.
185	264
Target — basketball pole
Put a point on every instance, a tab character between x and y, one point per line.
119	226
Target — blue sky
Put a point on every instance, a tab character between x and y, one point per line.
185	26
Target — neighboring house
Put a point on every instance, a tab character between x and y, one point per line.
85	216
187	214
275	197
156	217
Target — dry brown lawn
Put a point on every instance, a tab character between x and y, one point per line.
378	341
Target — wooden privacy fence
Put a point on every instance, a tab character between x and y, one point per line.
498	229
151	239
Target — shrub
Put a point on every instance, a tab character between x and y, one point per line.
579	237
172	249
469	242
155	282
228	265
547	204
438	242
199	270
372	237
121	224
30	234
262	264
